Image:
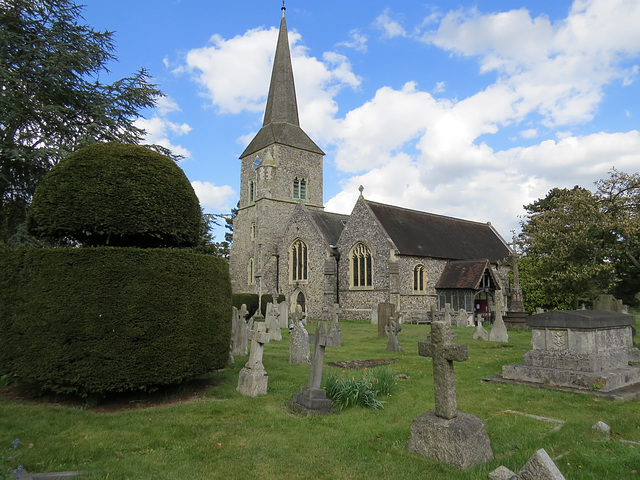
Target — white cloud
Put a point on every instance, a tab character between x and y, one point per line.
157	132
357	41
390	28
213	198
529	133
167	105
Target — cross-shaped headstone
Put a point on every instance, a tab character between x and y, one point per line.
320	340
444	353
243	312
258	337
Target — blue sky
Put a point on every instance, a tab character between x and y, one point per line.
468	109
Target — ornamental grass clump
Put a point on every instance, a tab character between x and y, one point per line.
346	391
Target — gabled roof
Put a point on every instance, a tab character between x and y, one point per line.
329	224
465	274
281	124
425	234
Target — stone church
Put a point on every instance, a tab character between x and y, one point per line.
284	241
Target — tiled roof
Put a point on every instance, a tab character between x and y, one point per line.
425	234
330	224
464	274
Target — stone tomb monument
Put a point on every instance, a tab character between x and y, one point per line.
446	434
579	349
253	378
312	399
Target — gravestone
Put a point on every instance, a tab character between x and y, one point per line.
240	332
253	378
539	467
374	315
312	399
299	340
579	349
385	312
392	330
272	322
499	330
446	434
480	333
284	314
462	318
234	318
334	331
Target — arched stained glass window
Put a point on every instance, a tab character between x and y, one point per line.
361	266
419	279
298	262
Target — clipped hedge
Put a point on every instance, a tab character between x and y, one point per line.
119	195
251	302
96	320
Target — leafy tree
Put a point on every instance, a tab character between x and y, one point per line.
568	245
207	245
620	201
51	99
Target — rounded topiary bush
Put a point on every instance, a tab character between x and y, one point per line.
118	195
91	321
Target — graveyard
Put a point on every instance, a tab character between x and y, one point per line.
217	432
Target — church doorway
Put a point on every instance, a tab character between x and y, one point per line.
298	298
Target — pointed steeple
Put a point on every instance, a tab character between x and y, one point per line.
281	124
282	106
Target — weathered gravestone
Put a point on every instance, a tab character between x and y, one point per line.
334	330
539	467
240	332
447	313
374	315
446	434
253	378
393	328
480	333
299	339
579	349
312	399
462	319
284	314
385	312
499	330
272	322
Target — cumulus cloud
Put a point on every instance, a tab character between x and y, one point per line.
214	198
390	28
158	129
357	41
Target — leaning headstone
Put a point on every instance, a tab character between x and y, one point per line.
603	429
334	331
253	378
540	467
480	333
272	322
385	312
298	340
446	434
499	330
312	399
502	473
241	333
393	328
461	318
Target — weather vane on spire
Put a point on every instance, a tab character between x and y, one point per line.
283	7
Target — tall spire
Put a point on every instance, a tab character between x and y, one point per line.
281	102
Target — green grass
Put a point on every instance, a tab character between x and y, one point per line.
226	435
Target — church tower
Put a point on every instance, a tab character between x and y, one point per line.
279	168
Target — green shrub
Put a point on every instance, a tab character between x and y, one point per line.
119	195
347	390
97	320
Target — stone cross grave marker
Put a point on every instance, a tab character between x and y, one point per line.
444	353
253	378
392	329
445	434
299	339
312	398
480	333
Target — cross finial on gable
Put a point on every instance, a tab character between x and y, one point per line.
361	189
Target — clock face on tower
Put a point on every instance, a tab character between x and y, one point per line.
256	163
